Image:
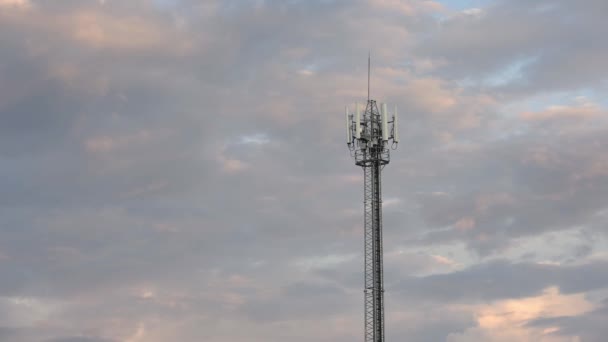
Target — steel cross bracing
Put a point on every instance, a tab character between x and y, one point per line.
371	154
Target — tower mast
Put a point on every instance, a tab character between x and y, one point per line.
369	68
368	138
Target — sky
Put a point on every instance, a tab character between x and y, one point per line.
176	170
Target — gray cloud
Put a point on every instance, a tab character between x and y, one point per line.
589	326
177	172
501	280
78	339
512	39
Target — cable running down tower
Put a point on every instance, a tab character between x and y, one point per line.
368	136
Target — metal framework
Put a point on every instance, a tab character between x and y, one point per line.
368	137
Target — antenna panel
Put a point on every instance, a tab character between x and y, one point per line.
357	122
349	133
384	123
396	126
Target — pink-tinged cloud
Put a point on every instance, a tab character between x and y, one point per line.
121	33
432	95
506	320
465	224
584	109
101	30
444	260
15	4
106	144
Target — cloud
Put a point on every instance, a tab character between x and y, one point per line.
507	320
19	4
584	109
502	281
588	325
479	46
178	172
78	339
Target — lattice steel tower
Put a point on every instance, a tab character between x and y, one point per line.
368	138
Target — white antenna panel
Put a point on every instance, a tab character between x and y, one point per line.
349	133
384	123
396	126
357	122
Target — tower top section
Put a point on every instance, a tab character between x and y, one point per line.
370	132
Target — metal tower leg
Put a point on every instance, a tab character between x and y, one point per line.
378	255
374	290
369	255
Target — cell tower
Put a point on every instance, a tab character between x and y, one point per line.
368	137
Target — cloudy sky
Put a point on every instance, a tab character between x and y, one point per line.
175	170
